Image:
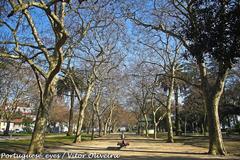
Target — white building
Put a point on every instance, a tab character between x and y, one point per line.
14	125
17	124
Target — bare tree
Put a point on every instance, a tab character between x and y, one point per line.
190	21
96	105
52	56
157	107
163	60
14	89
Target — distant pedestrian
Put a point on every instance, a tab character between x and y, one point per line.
122	136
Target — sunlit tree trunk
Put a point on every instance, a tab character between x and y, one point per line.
155	125
38	136
155	131
81	116
114	127
146	125
107	123
78	136
99	126
215	136
70	122
110	122
93	124
105	128
169	106
212	95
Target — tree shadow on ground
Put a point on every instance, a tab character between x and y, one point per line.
63	155
200	141
144	140
6	147
7	151
114	148
85	148
232	144
169	158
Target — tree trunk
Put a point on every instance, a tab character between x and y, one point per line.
96	104
78	136
215	136
197	127
114	127
155	124
229	121
109	128
205	121
88	127
110	122
212	95
146	125
93	117
6	132
99	126
185	126
138	128
235	120
177	122
38	136
70	122
107	122
155	130
202	129
105	128
82	107
170	129
169	105
193	128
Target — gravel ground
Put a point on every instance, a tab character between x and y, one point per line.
139	148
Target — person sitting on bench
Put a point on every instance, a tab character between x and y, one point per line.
123	143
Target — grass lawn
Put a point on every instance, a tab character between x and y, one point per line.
30	134
21	146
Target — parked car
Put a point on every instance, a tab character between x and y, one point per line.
18	130
27	130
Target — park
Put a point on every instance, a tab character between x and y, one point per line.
119	79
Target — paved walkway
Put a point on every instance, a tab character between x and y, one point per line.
140	148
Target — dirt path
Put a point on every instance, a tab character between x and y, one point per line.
140	148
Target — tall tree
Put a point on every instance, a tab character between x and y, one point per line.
65	88
166	67
209	31
53	56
